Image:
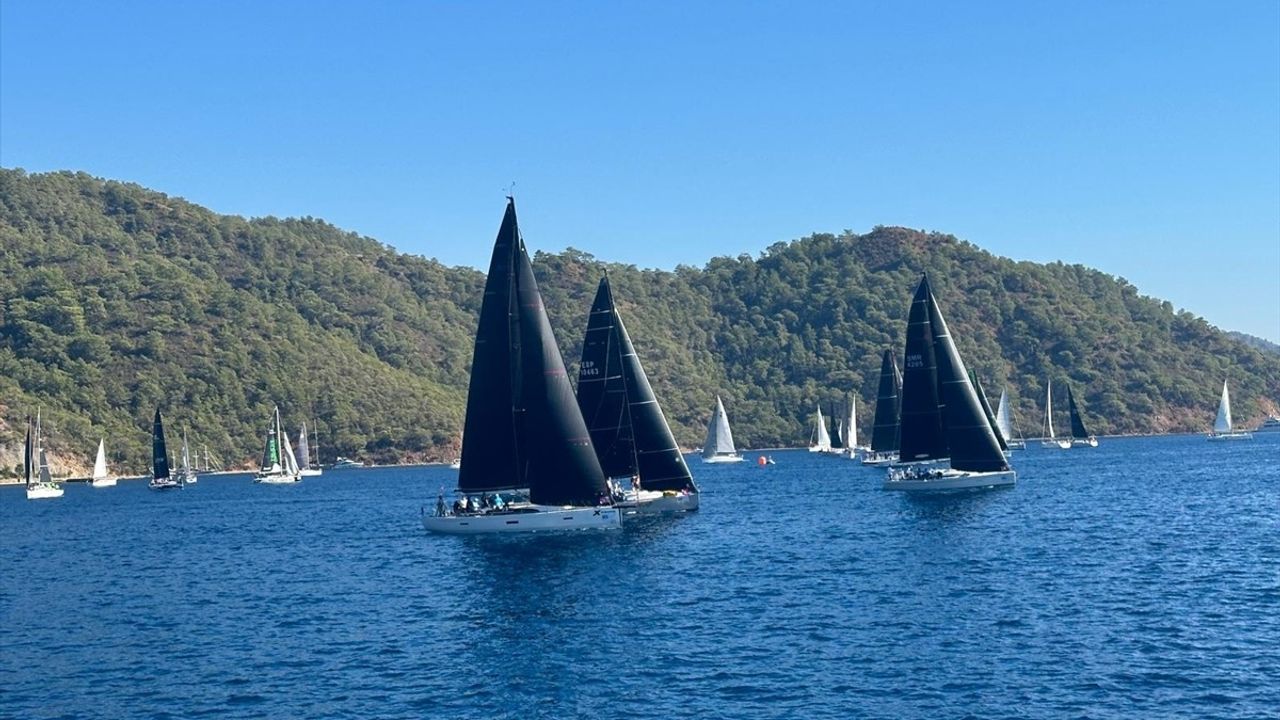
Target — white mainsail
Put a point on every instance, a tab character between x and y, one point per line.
1003	424
822	441
304	448
719	436
851	440
100	464
1048	410
290	462
1223	422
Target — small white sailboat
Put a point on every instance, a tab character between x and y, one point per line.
958	426
161	478
850	435
187	469
1222	428
1004	423
718	447
820	438
305	466
35	466
279	466
100	477
1049	440
523	428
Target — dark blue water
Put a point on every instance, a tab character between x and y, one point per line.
1140	579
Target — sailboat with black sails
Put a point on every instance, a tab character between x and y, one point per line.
523	428
161	477
961	430
628	430
884	427
1080	436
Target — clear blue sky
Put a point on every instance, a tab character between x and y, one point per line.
1141	138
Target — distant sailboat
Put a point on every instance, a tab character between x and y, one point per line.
962	430
1004	423
851	431
719	445
1048	439
819	439
628	430
884	427
986	410
523	428
35	465
100	478
1222	424
279	466
1080	437
187	470
305	467
161	478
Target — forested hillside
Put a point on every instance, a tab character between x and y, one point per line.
117	299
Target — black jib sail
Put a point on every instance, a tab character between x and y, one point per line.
1078	430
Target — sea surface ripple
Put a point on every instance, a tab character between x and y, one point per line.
1138	579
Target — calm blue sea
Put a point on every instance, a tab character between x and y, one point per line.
1140	579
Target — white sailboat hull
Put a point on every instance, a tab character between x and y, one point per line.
651	502
879	458
1240	435
527	518
1061	444
1016	444
276	479
165	484
311	472
949	480
42	491
102	482
723	459
1084	442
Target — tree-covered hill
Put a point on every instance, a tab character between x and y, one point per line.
117	299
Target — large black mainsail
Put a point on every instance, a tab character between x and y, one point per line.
1078	430
986	410
655	456
159	454
922	435
971	438
523	426
602	389
884	431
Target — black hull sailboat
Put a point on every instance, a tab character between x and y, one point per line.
628	429
884	428
523	429
961	431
